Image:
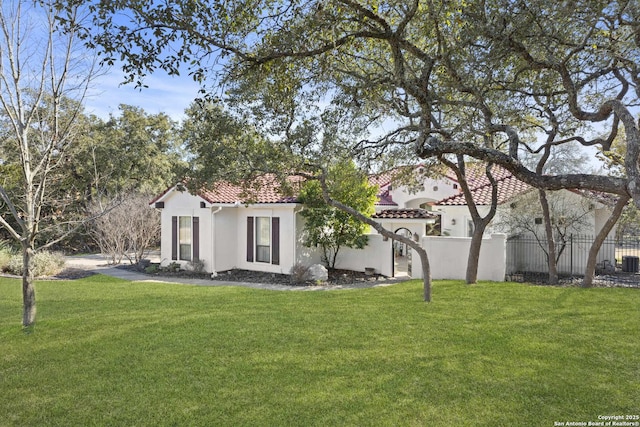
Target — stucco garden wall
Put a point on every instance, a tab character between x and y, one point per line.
448	258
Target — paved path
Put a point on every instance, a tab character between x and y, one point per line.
98	264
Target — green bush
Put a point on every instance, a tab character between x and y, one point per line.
152	269
45	263
5	256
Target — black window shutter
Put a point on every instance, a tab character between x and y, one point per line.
249	239
196	238
275	240
174	237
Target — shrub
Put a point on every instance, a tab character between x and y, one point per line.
152	269
6	252
45	263
299	274
174	267
196	266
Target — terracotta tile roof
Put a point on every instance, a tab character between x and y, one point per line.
382	179
265	190
477	177
404	214
508	187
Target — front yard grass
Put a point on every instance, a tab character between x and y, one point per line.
110	352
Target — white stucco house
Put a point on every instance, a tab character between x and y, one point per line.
579	216
594	208
217	226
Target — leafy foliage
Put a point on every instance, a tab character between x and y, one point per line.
133	150
331	228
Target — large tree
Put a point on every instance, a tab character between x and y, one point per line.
130	151
44	75
440	78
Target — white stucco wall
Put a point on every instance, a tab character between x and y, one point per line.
225	237
184	204
377	255
448	258
223	232
287	237
434	190
304	255
455	220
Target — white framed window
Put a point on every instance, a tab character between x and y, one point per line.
263	239
185	238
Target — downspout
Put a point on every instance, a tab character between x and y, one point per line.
296	210
213	240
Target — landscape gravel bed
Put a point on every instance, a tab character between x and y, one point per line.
336	277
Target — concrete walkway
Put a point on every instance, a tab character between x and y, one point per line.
98	264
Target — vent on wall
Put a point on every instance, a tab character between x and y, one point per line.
202	205
159	205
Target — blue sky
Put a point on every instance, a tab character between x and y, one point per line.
166	94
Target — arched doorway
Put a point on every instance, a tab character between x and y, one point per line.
402	255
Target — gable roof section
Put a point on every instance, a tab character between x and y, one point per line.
477	177
266	191
508	187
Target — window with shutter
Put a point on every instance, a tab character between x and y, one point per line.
174	237
184	238
196	238
263	239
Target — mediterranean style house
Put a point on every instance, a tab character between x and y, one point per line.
224	229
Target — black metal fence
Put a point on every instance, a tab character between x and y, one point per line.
617	261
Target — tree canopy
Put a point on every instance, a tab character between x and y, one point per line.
489	80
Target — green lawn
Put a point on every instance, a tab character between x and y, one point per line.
111	352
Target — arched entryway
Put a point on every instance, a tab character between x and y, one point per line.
402	255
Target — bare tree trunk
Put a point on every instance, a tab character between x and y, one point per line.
28	287
473	259
551	243
599	240
426	273
40	70
479	222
